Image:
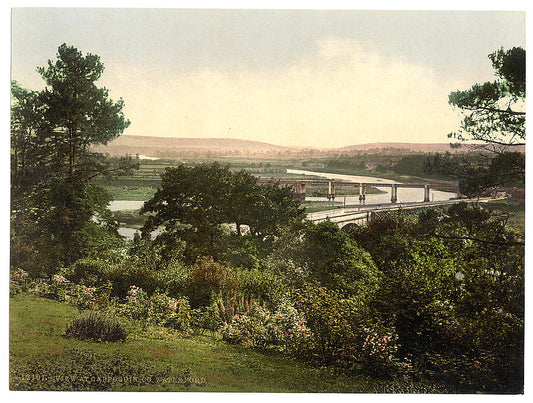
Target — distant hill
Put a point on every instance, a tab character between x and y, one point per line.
169	147
413	147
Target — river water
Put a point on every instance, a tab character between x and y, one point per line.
405	195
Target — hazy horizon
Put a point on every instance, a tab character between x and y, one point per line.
281	145
287	77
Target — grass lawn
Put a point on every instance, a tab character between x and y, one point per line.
153	359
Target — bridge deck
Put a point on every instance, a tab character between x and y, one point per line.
286	181
342	216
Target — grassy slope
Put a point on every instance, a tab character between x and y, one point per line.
37	328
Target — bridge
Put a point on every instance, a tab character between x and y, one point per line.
299	187
346	217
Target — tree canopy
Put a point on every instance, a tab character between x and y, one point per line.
493	126
192	203
494	112
53	199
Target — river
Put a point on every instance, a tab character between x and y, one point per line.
405	195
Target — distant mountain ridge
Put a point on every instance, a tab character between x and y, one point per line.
168	147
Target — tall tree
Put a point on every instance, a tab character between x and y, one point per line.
29	150
193	202
494	112
492	128
79	113
55	206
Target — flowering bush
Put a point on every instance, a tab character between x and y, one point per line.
40	287
248	330
135	294
180	314
59	286
158	309
166	311
58	279
136	306
20	274
19	282
283	329
379	355
86	297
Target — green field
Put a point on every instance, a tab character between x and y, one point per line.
154	359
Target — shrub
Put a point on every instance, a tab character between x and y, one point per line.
169	312
206	318
89	297
136	305
19	282
39	287
173	280
337	262
96	326
211	281
180	314
247	329
86	298
337	324
379	355
283	329
88	271
260	285
59	287
159	309
131	272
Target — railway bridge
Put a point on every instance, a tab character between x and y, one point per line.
299	187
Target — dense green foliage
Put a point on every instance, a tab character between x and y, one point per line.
193	204
435	296
479	173
448	278
414	165
57	214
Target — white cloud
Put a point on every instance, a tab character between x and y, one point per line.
344	94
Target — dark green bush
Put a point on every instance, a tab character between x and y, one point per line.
97	326
131	272
88	271
206	318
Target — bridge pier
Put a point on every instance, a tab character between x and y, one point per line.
426	193
394	194
331	190
299	190
362	193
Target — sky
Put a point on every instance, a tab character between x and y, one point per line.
294	77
